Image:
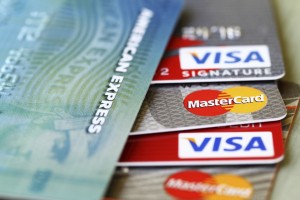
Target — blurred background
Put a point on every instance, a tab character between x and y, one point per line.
288	15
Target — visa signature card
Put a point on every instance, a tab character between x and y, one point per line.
73	76
193	106
228	40
260	143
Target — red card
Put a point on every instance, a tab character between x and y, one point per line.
242	144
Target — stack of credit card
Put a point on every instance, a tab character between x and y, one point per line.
73	77
213	124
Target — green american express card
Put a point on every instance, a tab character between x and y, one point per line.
73	76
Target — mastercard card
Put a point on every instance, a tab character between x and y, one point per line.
196	183
184	107
260	143
221	41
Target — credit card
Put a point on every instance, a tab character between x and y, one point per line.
73	76
221	41
243	182
194	106
149	182
241	144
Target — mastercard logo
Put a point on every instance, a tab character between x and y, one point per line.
192	184
239	99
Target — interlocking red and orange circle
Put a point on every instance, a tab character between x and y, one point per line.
239	99
197	185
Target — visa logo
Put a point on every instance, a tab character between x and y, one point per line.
225	145
251	56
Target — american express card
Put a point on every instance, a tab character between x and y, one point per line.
73	77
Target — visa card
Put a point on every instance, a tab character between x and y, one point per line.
260	143
194	106
73	77
221	41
